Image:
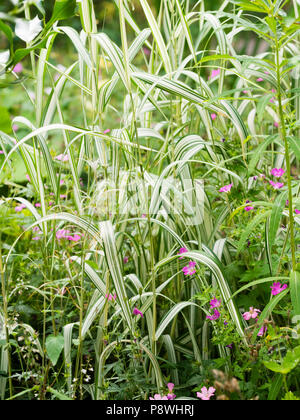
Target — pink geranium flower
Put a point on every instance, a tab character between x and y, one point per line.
213	117
226	188
110	297
125	260
62	234
277	288
62	158
158	397
137	312
215	303
19	208
277	172
18	68
262	331
182	251
214	73
260	79
297	211
252	314
190	269
106	131
171	395
276	185
74	238
206	394
215	316
37	205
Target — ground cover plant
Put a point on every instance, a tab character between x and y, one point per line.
149	200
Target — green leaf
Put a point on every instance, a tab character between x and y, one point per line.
54	347
290	361
63	9
275	218
5	121
295	291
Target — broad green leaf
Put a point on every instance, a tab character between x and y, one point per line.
54	347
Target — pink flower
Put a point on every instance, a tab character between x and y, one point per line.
226	188
1	152
213	116
190	269
215	316
249	208
260	79
276	185
74	238
62	234
214	73
297	211
36	238
61	182
277	172
125	260
18	68
170	386
110	297
137	312
215	303
262	331
62	196
206	394
37	205
106	131
158	397
62	158
19	208
146	51
182	251
277	288
253	313
276	124
28	178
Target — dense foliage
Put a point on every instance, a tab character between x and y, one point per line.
149	199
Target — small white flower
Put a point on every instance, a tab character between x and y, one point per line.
27	30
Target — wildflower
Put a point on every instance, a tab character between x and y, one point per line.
213	117
28	178
297	211
63	196
158	397
74	238
248	208
226	188
182	251
106	131
62	158
37	205
262	331
277	288
190	269
110	297
214	73
36	238
215	303
276	124
277	172
276	185
260	79
146	51
62	234
253	313
125	260
206	394
19	208
229	346
36	229
18	68
171	395
215	316
137	312
1	152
